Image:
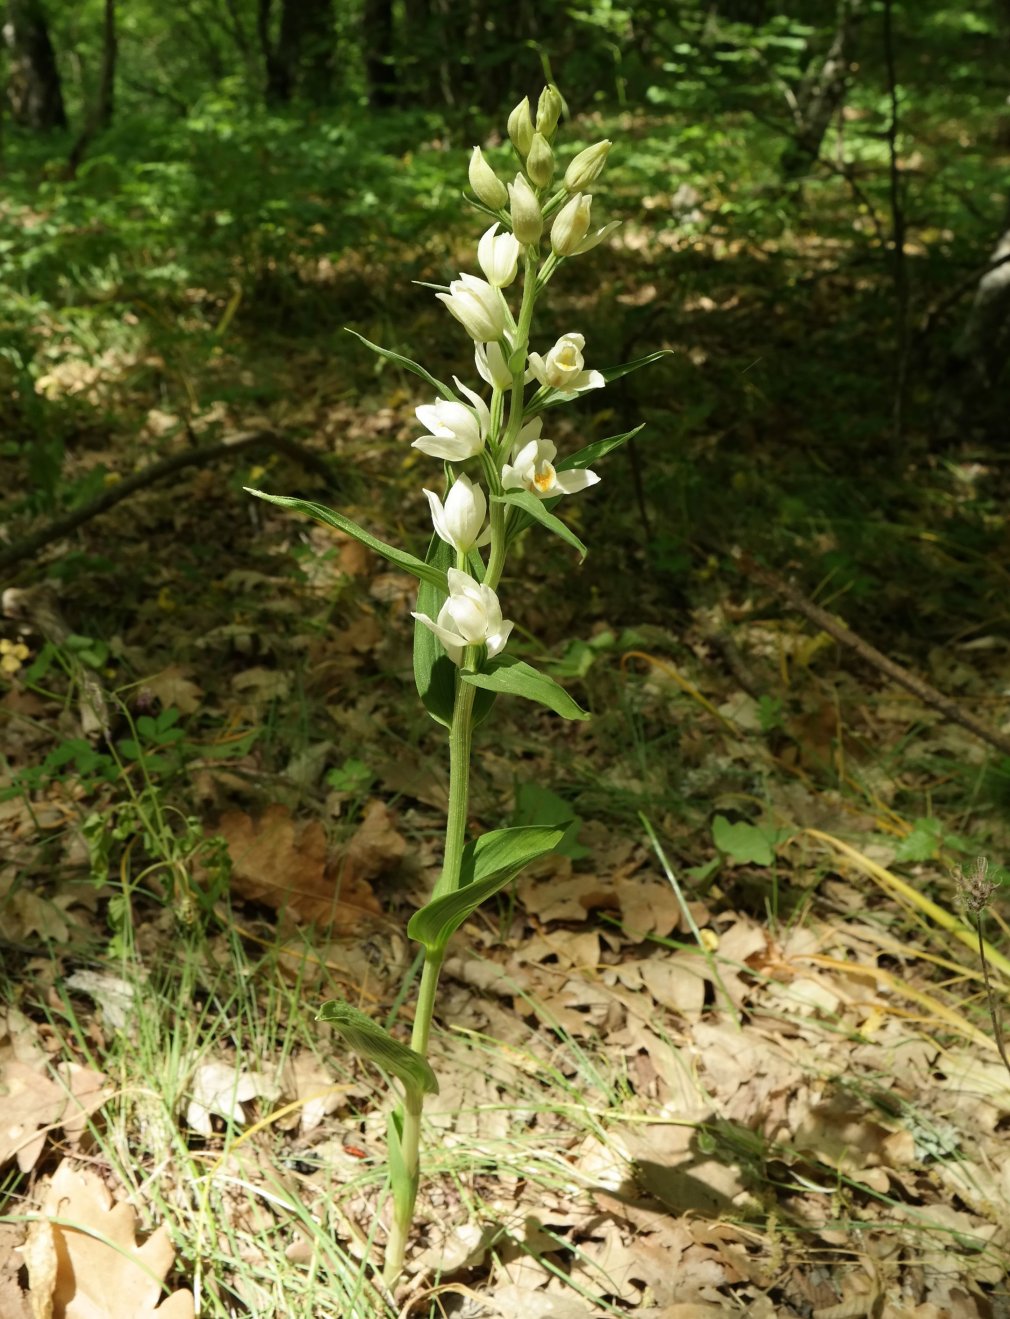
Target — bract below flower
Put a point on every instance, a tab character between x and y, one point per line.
459	520
470	617
533	469
498	257
564	368
455	432
492	366
478	307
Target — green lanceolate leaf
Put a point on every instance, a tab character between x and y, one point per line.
599	449
517	678
406	363
609	374
425	572
534	509
404	1186
612	373
370	1041
488	865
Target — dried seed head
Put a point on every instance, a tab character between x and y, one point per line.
975	888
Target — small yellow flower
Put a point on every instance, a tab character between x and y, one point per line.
12	655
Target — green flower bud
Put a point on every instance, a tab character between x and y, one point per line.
520	127
486	184
571	225
549	109
540	161
527	218
587	166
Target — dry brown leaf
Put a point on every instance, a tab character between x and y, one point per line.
175	690
14	1302
221	1088
513	1301
283	863
375	848
31	1100
101	1272
313	1086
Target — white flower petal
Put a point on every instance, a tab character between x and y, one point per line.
451	450
578	478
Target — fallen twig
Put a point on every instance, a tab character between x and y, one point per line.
834	628
116	493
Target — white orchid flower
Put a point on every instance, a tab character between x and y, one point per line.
470	617
459	520
478	307
532	469
455	432
492	366
498	257
564	368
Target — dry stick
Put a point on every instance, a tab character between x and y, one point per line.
115	494
828	623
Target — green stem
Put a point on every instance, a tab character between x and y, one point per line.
499	546
460	737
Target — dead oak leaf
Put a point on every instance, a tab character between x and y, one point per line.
284	863
84	1261
175	690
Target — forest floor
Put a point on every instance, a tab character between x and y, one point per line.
732	1051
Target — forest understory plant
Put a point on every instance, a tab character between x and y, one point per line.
502	476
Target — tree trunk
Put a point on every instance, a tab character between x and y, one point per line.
301	60
377	41
821	93
100	114
34	92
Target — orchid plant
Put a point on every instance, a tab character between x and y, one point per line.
514	481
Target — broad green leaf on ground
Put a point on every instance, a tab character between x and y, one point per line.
407	364
488	865
399	558
370	1041
536	804
534	508
743	842
515	677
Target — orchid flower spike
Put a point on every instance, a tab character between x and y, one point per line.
459	520
471	616
478	307
492	366
498	257
532	468
455	432
564	368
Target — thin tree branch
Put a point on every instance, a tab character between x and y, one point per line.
115	494
910	681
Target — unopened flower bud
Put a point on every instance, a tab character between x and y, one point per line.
586	168
486	184
520	127
498	255
527	218
549	109
571	225
540	161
